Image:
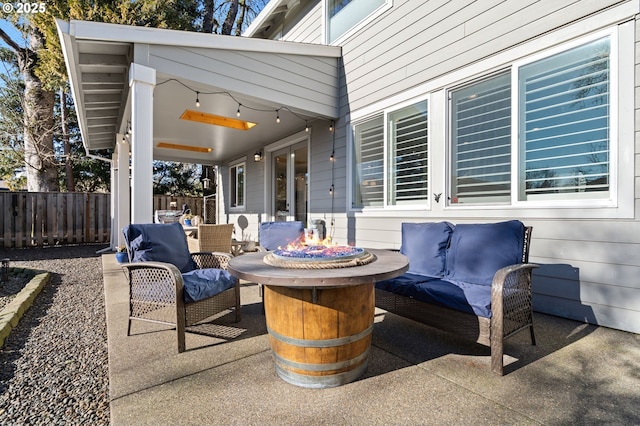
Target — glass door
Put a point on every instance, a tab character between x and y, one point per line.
290	183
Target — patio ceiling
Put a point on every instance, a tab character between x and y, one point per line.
263	78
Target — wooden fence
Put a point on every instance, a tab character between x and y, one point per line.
29	219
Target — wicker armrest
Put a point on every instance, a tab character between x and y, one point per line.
158	281
511	293
214	259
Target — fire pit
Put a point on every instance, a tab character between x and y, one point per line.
319	320
318	257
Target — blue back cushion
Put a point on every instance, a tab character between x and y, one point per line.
477	251
425	245
159	242
278	234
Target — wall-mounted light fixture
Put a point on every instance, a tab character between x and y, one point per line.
206	182
257	157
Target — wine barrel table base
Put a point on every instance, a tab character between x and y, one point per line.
319	320
321	344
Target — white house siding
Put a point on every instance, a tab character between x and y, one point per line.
590	261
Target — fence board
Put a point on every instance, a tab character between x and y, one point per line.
40	218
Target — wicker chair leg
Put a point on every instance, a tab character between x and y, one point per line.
129	328
180	327
496	356
533	337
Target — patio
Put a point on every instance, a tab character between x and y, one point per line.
578	374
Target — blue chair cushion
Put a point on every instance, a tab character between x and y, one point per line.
471	298
159	242
200	284
425	246
278	234
477	251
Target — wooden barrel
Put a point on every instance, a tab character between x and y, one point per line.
320	336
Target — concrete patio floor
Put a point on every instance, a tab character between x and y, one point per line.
577	374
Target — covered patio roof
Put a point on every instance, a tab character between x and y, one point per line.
264	79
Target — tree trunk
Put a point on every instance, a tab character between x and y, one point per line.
231	17
240	20
207	19
41	168
64	114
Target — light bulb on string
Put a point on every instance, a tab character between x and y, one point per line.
238	111
198	99
277	116
331	127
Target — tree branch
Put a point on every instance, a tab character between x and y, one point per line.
12	44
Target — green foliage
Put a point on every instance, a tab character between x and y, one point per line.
90	174
176	179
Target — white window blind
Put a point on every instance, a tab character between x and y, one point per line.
481	135
408	155
565	120
369	163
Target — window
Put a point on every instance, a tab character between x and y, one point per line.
481	133
343	15
236	186
398	162
560	109
565	122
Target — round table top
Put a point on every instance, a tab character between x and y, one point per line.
251	267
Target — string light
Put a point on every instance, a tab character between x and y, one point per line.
332	157
276	110
331	190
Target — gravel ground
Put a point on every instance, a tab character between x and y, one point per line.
53	365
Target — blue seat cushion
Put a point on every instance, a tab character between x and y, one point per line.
425	246
477	251
471	298
200	284
278	234
159	242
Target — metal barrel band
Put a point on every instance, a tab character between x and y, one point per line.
318	382
321	367
326	343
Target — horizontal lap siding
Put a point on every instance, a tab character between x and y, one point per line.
281	78
410	45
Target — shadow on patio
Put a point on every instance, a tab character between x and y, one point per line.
578	373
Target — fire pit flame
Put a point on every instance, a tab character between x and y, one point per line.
313	253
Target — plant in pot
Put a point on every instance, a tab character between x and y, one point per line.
121	254
187	219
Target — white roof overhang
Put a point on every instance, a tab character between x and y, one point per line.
299	81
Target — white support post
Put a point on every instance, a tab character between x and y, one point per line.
123	212
142	81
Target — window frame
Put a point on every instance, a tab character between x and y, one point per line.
233	178
516	170
385	113
614	100
388	4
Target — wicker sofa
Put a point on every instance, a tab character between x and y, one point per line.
473	280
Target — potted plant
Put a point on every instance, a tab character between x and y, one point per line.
187	219
121	254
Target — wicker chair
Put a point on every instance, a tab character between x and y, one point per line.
157	288
278	234
215	237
